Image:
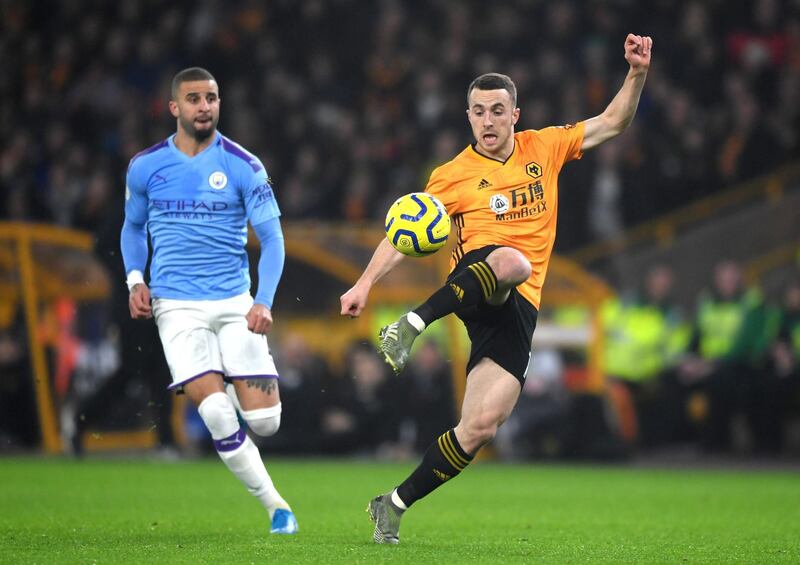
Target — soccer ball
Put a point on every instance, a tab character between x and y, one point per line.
417	224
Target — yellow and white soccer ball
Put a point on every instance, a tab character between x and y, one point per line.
417	224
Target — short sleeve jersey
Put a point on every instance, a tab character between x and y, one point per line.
512	203
196	210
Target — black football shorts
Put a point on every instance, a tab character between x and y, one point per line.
501	333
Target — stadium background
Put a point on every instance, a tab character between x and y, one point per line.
350	104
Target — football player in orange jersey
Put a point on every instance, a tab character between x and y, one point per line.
502	195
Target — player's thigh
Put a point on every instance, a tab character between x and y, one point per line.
490	395
257	393
247	361
191	347
501	333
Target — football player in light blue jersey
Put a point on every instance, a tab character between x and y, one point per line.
194	193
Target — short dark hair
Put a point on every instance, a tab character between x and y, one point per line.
494	81
187	75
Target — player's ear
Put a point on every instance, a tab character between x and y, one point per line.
515	116
173	108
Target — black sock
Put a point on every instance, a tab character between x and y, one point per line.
471	286
443	460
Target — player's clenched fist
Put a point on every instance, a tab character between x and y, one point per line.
637	51
353	301
139	302
259	319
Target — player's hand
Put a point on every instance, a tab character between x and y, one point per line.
139	302
354	300
259	319
637	51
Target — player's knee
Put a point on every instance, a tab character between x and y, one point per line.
509	265
219	415
264	421
477	433
485	434
266	426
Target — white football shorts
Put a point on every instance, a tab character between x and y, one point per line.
204	336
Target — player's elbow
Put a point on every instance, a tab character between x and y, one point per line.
613	124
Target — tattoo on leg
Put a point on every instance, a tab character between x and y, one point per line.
267	385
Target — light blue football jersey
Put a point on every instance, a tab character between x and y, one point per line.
196	210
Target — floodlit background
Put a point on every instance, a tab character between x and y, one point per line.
671	318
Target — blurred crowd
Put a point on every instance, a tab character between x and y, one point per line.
726	376
721	378
350	104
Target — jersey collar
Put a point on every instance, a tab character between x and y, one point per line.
171	141
482	156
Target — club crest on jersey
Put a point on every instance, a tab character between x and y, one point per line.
218	180
534	169
498	203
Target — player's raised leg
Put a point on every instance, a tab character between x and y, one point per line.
489	280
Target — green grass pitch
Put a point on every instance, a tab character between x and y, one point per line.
141	511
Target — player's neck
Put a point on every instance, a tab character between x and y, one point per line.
189	145
501	155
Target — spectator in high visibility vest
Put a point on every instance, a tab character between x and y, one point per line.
644	336
729	342
783	371
786	347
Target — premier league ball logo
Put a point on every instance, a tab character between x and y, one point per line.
498	204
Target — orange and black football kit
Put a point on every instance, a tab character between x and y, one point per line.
511	203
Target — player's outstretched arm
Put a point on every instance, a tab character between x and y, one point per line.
619	113
383	261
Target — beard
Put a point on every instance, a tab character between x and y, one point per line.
199	134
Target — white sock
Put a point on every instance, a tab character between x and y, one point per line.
414	319
238	451
245	462
230	390
397	502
